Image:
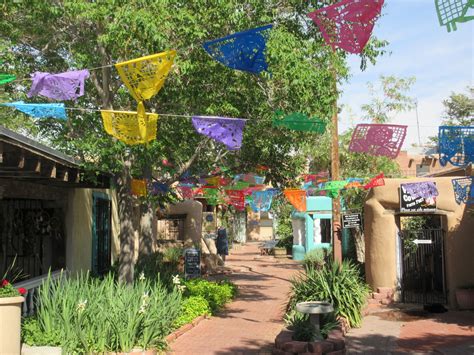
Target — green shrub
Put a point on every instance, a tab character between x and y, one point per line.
192	308
303	330
315	258
339	284
216	293
91	315
172	255
32	334
157	265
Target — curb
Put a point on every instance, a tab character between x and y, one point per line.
184	329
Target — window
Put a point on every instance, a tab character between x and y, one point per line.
171	227
326	230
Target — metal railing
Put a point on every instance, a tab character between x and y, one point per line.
32	286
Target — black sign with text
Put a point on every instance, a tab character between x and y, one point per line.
351	220
192	263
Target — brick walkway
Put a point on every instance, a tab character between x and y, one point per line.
250	323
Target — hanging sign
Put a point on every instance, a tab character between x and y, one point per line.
410	203
192	263
351	220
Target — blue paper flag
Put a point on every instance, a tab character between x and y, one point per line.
56	110
242	51
261	200
456	145
464	190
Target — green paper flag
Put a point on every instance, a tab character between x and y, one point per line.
298	122
6	78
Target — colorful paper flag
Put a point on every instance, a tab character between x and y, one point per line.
456	145
378	139
56	110
128	127
62	86
228	131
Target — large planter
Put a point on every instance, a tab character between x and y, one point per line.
10	324
465	298
279	252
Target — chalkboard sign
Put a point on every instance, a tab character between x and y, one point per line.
409	203
192	263
351	220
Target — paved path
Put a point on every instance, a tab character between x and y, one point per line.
250	324
405	329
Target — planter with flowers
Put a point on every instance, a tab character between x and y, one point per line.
10	314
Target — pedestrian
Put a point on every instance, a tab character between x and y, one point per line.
222	244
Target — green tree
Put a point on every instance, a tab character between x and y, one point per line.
389	96
459	108
57	36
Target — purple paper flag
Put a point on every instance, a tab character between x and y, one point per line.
224	130
62	86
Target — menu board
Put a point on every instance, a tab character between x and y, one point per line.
192	263
351	220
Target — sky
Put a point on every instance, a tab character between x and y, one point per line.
441	62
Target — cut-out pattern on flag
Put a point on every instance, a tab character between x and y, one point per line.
62	86
348	24
211	195
456	145
186	192
242	50
378	139
425	189
261	200
333	187
228	131
297	198
464	190
158	188
128	127
451	12
57	110
297	121
138	187
376	181
6	78
236	198
145	76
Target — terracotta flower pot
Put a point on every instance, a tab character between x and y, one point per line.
10	324
465	298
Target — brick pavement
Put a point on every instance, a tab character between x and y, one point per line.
250	324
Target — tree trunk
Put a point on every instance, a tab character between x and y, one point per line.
147	235
126	236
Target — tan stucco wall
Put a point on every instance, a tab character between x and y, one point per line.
193	222
255	231
381	233
79	228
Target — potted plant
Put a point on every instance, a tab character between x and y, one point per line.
465	297
10	314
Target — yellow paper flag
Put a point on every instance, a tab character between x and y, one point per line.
130	127
145	76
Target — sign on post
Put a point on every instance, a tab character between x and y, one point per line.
351	220
409	203
192	263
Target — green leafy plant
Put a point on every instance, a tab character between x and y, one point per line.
216	293
91	315
172	255
192	308
316	258
7	290
303	330
339	284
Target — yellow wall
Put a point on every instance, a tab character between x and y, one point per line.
255	230
381	234
79	228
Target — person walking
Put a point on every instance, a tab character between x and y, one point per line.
222	243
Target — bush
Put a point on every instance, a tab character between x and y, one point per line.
316	258
157	264
216	293
339	284
87	315
192	308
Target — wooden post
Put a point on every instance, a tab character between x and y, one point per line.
336	205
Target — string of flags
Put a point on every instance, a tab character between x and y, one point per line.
451	12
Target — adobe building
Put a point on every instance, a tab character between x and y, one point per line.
423	266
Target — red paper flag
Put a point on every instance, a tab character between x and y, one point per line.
376	181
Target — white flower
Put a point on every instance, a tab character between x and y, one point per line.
176	280
81	306
142	310
141	277
145	296
181	288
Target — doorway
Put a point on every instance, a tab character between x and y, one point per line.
101	235
422	259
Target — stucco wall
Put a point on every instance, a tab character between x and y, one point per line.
193	223
256	231
381	229
79	228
